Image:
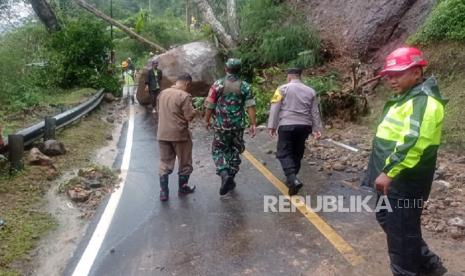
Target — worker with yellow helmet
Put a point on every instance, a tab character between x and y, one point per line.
129	83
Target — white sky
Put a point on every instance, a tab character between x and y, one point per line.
19	12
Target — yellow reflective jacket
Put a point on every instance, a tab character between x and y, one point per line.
407	140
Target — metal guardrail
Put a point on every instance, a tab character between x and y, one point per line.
36	131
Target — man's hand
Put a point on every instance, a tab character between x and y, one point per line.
253	131
317	135
272	132
382	183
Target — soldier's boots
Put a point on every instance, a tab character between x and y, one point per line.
184	188
164	191
293	184
227	182
132	100
436	269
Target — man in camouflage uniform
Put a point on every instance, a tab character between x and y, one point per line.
227	100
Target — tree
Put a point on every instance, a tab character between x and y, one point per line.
207	13
45	14
233	24
123	28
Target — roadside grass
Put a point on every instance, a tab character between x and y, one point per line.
446	63
21	196
47	104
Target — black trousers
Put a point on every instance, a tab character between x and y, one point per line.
291	146
153	97
408	252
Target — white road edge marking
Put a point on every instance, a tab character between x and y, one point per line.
342	145
88	257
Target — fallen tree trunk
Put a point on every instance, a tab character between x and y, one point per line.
120	26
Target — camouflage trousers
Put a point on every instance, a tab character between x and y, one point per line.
226	149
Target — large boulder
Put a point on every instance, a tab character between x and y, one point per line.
365	28
200	59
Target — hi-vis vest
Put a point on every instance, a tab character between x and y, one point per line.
128	79
407	139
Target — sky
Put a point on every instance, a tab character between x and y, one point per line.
19	12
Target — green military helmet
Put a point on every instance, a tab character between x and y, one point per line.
233	63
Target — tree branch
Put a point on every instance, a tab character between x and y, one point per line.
120	26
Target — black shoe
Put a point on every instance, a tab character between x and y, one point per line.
184	189
293	184
164	191
227	183
436	270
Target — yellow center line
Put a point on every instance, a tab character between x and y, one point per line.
325	229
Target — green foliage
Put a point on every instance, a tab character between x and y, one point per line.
270	36
264	84
324	84
446	22
18	82
166	30
198	103
141	20
78	53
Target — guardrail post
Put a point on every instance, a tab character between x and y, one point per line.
16	151
50	126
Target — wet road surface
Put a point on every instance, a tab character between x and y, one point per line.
205	234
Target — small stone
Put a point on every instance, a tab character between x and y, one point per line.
92	183
52	172
442	183
338	167
311	163
112	250
36	157
456	233
263	162
439	174
109	137
108	97
455	204
78	195
460	160
53	148
336	137
440	227
460	178
111	119
3	162
456	222
98	194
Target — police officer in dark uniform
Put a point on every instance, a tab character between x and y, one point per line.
294	115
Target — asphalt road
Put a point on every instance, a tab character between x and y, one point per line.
205	234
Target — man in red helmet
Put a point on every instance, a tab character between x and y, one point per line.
403	160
